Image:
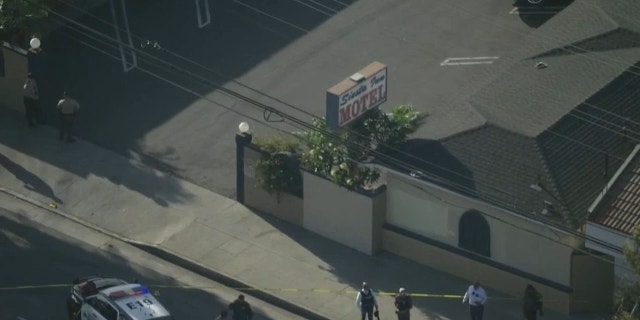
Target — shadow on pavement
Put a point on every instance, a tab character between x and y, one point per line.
535	15
433	162
31	181
617	39
79	159
122	111
44	258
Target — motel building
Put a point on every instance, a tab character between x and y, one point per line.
504	237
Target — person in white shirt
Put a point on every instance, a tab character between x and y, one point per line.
477	297
366	301
68	108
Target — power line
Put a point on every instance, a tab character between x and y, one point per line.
283	102
193	92
562	228
494	201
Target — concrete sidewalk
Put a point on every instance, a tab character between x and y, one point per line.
192	226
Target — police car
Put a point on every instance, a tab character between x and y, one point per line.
98	298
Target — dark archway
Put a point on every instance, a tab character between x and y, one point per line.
474	233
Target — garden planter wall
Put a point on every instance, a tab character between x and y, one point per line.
351	218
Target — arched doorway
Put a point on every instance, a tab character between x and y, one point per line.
474	233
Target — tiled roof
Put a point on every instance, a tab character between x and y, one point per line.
619	209
566	128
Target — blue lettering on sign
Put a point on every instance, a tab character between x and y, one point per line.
350	95
377	79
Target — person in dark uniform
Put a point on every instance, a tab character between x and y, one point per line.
366	301
531	303
31	99
241	309
403	303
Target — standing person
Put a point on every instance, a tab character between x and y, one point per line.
241	309
68	108
366	301
477	297
31	100
403	304
531	303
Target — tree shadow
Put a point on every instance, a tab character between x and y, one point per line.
431	161
535	15
121	111
31	181
41	258
82	160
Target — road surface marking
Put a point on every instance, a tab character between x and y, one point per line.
461	61
535	10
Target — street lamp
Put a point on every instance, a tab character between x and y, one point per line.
34	43
243	139
244	128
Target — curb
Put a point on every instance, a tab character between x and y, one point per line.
186	263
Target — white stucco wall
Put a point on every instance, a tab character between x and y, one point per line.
345	216
516	241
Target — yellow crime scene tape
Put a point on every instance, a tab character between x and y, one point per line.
249	289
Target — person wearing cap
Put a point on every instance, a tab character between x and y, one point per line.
31	100
68	108
477	297
403	303
366	301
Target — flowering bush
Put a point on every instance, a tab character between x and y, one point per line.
340	156
331	156
278	170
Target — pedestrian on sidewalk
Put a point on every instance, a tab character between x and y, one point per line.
224	315
531	303
31	100
477	297
403	303
68	108
366	301
241	309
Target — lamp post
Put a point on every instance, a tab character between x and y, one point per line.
34	43
243	138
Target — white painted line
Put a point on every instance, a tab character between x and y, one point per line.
473	58
21	318
535	10
466	63
203	18
462	61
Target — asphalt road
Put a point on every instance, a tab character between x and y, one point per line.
34	254
291	49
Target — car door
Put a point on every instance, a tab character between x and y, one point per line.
97	308
89	310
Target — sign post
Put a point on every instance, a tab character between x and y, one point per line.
353	97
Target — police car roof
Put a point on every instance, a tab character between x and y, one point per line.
102	283
122	287
136	300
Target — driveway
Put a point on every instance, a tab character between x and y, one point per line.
438	53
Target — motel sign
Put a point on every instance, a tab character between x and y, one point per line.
354	96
